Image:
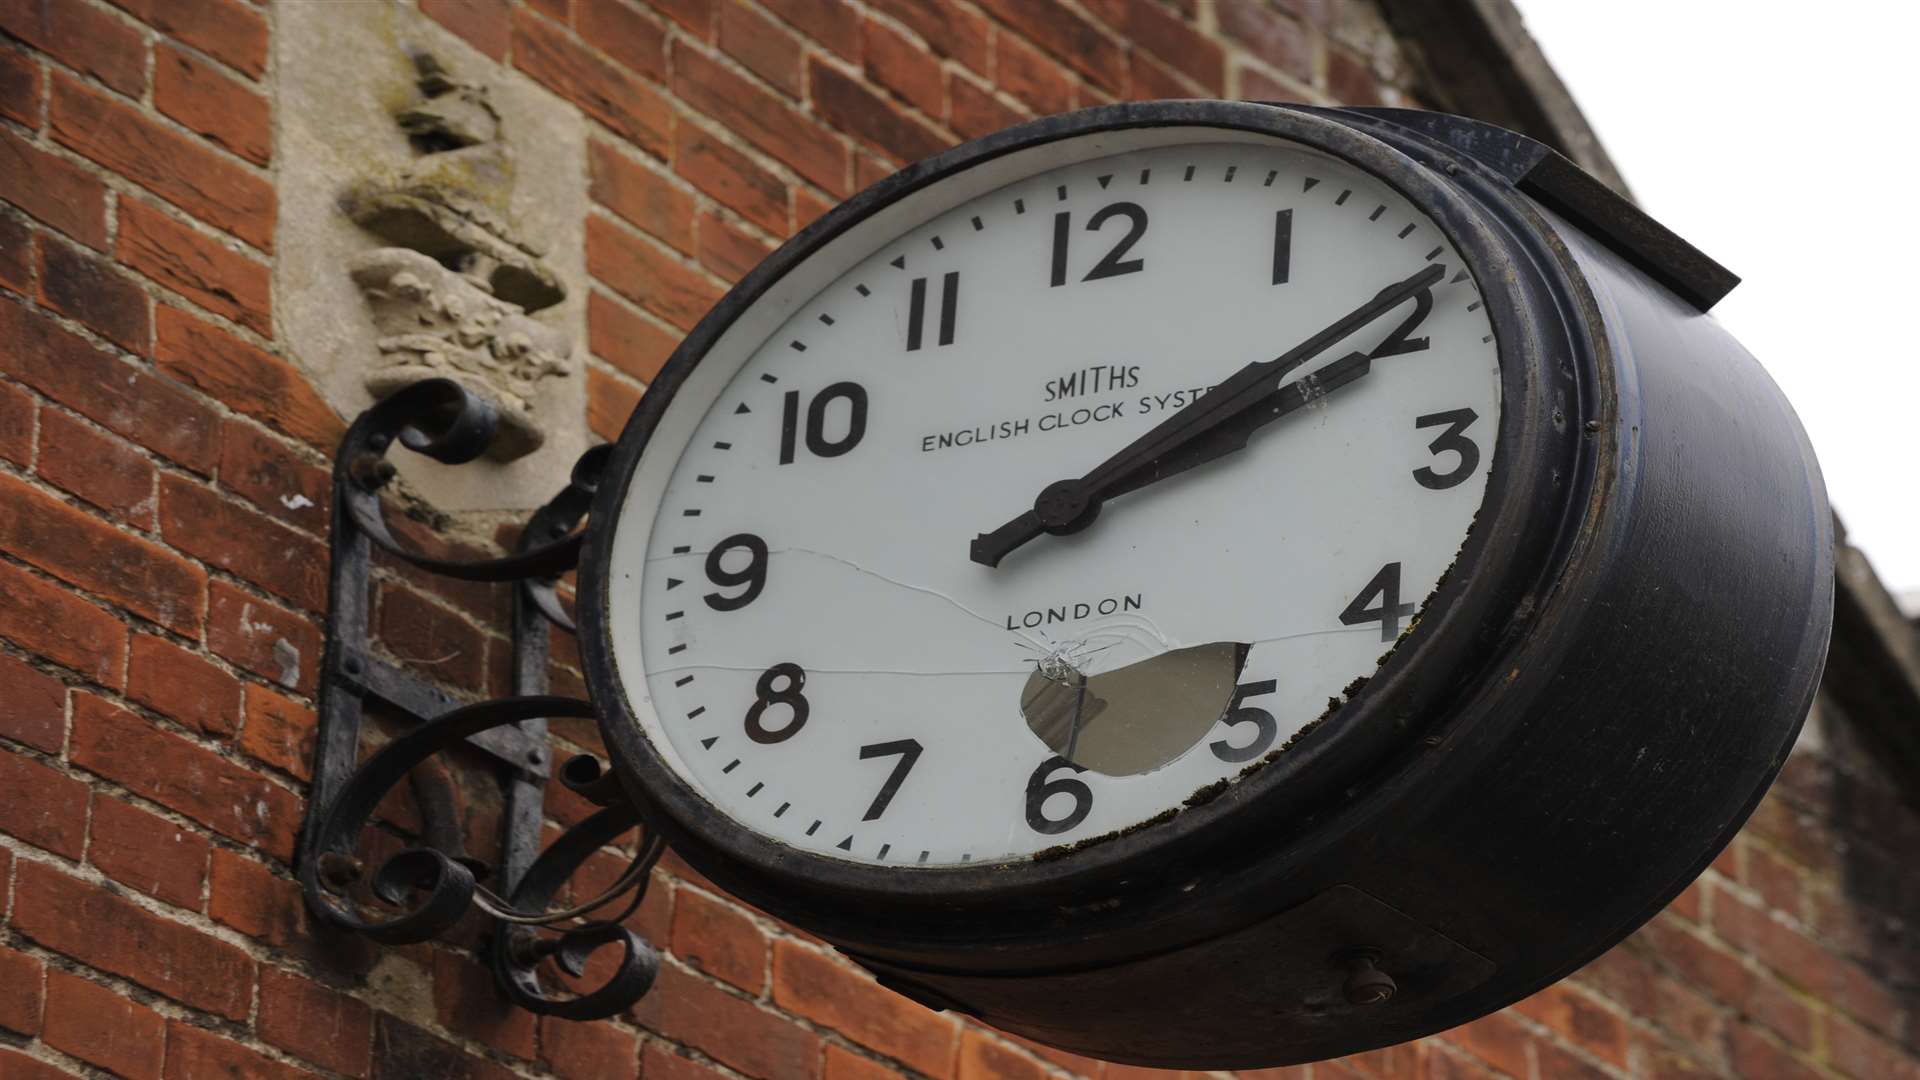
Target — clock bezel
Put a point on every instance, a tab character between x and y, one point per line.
1533	491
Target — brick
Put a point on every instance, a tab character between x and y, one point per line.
18	1066
117	936
22	89
280	731
60	626
605	91
734	1031
196	265
1778	881
760	118
175	167
81	549
224	29
635	40
836	995
853	108
147	852
833	23
19	415
641	194
1153	79
1560	1064
695	15
487	25
196	1054
1581	1019
247	379
558	10
23	982
466	1003
720	940
87	288
124	399
1177	42
44	807
728	250
272	476
647	274
1798	958
983	1057
844	1064
609	402
974	111
246	896
1278	40
404	1052
82	37
314	1023
35	712
264	638
170	770
762	46
1350	81
201	98
252	546
431	639
1035	78
53	189
1068	36
588	1051
99	468
1497	1039
949	29
732	178
633	343
905	69
664	1063
1858	1052
19	254
101	1027
1756	1057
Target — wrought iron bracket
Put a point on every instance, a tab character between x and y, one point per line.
422	891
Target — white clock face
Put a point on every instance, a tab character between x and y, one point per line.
793	606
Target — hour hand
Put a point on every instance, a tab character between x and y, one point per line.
1232	434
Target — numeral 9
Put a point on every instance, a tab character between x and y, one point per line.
753	576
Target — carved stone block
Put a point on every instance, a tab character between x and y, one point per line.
414	176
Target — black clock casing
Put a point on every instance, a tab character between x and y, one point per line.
1588	709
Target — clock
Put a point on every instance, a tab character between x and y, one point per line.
1212	584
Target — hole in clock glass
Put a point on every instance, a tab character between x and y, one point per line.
1132	719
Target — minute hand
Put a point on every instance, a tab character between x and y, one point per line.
1067	506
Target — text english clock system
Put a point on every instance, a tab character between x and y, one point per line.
1199	583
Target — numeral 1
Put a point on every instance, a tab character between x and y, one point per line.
917	309
1282	246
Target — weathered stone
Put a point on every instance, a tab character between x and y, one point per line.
435	323
383	120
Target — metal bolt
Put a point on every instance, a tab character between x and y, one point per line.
1593	425
352	664
536	756
1367	984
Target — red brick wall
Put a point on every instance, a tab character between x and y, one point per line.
160	586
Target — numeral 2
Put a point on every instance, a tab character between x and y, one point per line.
1115	262
1388	612
917	309
908	751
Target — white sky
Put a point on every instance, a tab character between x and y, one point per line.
1774	138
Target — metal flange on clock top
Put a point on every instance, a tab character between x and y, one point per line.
1585	712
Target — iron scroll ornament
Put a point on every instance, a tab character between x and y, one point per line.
423	890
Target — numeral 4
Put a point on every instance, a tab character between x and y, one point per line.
1388	612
